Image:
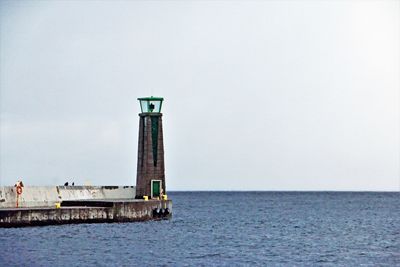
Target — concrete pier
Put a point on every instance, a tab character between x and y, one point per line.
88	211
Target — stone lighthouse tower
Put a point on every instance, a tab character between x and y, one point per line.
150	178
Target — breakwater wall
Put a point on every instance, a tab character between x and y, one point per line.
48	196
88	212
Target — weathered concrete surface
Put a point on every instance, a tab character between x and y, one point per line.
112	211
48	196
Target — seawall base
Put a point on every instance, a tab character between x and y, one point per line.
73	212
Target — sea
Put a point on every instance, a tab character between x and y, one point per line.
227	229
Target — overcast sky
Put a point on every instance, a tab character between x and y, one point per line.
259	95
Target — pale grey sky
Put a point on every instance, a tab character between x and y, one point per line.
259	95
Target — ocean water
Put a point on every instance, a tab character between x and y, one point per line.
227	229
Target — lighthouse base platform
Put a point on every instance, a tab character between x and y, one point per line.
87	211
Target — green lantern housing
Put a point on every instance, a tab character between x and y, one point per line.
151	104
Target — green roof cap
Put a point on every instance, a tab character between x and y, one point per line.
151	98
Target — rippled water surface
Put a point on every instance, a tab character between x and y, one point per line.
227	228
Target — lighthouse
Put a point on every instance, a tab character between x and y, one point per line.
150	177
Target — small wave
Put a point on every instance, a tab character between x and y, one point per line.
210	255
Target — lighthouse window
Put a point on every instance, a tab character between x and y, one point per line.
154	106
